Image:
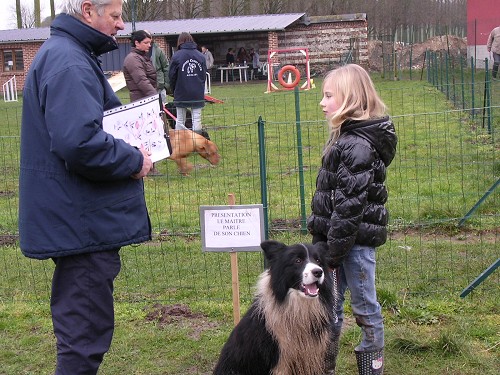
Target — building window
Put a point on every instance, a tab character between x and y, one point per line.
13	60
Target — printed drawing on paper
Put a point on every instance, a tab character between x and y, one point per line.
139	124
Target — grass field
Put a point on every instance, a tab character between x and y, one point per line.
173	302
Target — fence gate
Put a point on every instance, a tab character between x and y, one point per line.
10	90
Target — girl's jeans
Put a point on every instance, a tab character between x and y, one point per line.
357	273
181	119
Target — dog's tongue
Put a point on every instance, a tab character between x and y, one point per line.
311	289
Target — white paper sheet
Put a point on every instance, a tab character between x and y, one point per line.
139	124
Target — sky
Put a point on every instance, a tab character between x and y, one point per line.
8	14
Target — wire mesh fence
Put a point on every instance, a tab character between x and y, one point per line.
446	162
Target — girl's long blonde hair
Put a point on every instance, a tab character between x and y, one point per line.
355	94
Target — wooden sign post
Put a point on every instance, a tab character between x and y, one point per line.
234	274
232	229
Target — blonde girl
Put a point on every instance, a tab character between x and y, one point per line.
348	206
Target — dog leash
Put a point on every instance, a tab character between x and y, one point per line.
169	113
335	274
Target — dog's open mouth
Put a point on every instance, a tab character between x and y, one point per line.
310	290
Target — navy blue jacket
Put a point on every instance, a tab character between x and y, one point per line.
75	190
187	74
348	206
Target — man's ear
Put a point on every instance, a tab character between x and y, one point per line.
87	11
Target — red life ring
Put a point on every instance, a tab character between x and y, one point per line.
291	69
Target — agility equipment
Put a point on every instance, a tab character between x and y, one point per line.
294	57
211	99
289	69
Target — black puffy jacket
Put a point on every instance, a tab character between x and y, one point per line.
348	205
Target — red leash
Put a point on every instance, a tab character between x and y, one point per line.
169	113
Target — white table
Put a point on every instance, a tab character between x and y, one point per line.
240	68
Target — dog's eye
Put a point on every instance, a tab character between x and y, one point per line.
298	260
318	260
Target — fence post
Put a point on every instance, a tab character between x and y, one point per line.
487	96
447	72
411	59
441	73
472	97
300	162
462	81
263	175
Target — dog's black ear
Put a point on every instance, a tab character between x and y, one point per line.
271	248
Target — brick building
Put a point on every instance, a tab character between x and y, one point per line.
330	40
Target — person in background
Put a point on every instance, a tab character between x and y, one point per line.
187	78
230	56
255	63
138	70
140	73
242	56
493	45
81	194
161	64
348	206
209	59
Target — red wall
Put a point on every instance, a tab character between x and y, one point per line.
482	17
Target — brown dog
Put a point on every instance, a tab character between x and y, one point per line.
187	142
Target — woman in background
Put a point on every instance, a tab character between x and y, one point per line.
140	73
138	70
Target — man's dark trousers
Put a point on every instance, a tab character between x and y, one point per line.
83	310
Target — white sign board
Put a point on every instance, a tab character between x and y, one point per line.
232	228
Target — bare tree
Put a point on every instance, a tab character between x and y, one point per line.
27	17
385	17
145	10
233	7
36	9
19	14
186	9
52	10
273	6
206	8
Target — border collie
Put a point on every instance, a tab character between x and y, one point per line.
286	331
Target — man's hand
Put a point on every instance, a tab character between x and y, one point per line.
147	164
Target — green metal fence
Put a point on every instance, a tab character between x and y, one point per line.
271	145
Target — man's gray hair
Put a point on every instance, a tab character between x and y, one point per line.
74	7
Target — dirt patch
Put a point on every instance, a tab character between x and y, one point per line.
8	240
182	316
379	53
7	193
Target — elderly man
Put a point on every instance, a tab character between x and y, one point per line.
81	194
493	45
